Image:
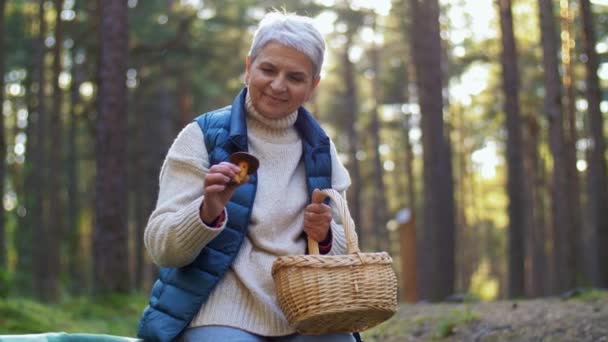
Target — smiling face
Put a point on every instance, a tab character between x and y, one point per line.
280	79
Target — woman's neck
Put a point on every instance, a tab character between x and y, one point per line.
282	128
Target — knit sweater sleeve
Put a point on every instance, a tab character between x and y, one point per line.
340	182
175	233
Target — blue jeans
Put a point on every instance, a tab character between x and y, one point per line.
215	333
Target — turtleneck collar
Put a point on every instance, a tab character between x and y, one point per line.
282	128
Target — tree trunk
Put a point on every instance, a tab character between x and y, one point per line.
379	210
23	240
40	210
465	262
110	238
596	239
75	258
160	126
56	188
138	180
537	270
439	228
570	138
3	242
515	182
561	214
184	101
351	110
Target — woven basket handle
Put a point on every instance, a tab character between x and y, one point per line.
347	222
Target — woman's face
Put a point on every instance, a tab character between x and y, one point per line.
279	80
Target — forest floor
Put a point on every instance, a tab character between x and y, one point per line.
581	316
578	317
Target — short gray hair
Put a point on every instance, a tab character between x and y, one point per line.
295	31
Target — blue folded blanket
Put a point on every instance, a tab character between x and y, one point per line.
65	337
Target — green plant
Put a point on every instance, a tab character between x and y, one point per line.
585	294
447	325
6	281
112	315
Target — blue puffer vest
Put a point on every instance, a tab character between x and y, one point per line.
179	292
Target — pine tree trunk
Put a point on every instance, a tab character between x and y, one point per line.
379	210
515	182
537	271
596	239
570	138
75	259
40	210
110	238
184	102
56	188
23	240
439	228
561	214
3	242
351	110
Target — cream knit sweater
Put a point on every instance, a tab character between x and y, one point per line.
175	235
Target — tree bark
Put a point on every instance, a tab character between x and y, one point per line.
379	210
23	240
596	239
75	258
56	188
515	177
570	137
110	238
184	101
3	242
40	210
561	210
537	271
351	110
439	227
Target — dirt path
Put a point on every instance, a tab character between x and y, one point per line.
528	320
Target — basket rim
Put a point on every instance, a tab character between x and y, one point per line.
332	261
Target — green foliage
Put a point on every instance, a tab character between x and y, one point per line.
594	295
446	325
112	314
18	26
5	282
424	322
394	327
586	294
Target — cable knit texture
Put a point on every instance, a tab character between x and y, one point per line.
175	235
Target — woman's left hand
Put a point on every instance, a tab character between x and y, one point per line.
317	219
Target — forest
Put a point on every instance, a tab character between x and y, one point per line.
473	132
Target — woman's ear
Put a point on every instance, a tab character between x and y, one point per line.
315	83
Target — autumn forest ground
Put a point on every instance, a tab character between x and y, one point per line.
575	318
580	317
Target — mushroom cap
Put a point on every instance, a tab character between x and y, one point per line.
252	161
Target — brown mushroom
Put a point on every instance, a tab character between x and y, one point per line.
247	162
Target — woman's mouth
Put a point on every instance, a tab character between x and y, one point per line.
275	99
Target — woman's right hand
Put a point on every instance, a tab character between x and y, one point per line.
218	189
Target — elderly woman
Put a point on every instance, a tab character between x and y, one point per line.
214	240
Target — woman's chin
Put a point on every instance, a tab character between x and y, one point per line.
273	114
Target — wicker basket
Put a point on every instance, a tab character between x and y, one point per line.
322	294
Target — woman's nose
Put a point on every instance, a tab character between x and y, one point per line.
278	84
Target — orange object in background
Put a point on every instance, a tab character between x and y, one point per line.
407	229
